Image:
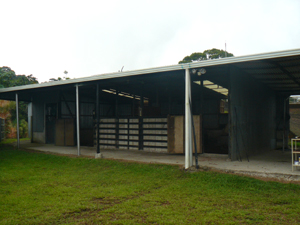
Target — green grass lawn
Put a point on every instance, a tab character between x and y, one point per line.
37	188
12	140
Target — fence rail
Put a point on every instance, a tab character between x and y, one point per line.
126	133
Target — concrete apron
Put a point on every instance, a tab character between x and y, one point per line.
274	164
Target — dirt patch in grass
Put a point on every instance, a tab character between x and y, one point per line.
101	204
108	200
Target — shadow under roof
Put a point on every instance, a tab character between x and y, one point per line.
280	71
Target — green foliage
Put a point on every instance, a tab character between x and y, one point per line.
8	78
40	188
11	107
207	54
11	120
59	78
23	128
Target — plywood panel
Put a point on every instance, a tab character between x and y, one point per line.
176	134
59	132
179	134
64	132
69	132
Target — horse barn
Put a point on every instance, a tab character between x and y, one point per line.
239	107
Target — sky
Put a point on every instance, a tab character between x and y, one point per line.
85	38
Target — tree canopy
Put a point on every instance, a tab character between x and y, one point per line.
207	54
59	78
8	78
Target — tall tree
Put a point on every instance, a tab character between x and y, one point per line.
60	78
207	54
8	78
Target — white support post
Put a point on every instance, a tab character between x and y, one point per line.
18	124
188	122
77	119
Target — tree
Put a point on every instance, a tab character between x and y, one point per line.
8	78
59	78
207	54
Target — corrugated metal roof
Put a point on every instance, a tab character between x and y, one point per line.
263	66
280	74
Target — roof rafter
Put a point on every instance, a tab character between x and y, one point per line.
286	72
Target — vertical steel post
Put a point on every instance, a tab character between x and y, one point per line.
190	121
201	114
169	104
97	118
117	119
141	121
169	99
18	124
194	135
188	125
283	127
77	119
133	105
59	105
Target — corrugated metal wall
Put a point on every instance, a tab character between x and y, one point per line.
252	116
68	112
86	115
38	117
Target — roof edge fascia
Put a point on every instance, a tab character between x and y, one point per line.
205	63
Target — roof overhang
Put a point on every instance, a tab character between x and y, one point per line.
278	70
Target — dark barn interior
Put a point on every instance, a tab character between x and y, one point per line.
136	98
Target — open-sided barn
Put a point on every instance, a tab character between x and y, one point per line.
239	107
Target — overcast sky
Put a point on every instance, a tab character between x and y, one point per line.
45	38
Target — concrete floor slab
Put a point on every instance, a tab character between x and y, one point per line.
274	164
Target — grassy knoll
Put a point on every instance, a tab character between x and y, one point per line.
38	188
